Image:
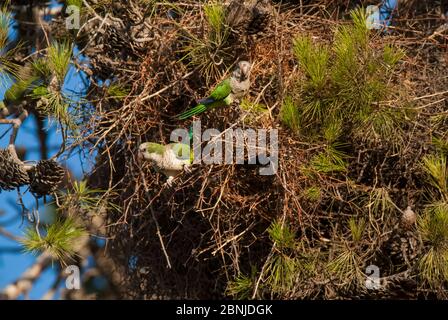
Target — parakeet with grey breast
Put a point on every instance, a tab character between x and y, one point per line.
229	90
170	159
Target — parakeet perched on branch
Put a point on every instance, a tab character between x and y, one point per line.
170	159
226	92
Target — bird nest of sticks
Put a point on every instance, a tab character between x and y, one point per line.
191	239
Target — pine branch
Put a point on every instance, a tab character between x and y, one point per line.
8	235
16	123
25	283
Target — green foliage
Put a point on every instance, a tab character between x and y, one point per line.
254	110
281	235
80	196
52	70
240	288
346	95
117	91
282	267
313	193
433	225
42	68
380	124
433	228
253	107
314	61
329	160
211	50
356	228
289	114
5	22
391	55
25	81
347	267
441	144
58	59
433	267
282	272
361	31
435	167
7	66
215	15
60	239
43	79
380	201
53	103
332	131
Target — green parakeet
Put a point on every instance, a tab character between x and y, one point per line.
230	89
170	159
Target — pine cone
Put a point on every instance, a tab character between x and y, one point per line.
402	247
45	177
401	288
395	288
261	17
12	171
408	218
249	18
238	16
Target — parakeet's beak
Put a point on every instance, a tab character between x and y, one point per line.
245	68
141	150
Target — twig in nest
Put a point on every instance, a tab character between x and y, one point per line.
159	234
232	239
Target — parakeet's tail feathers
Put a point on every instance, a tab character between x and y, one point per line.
206	101
192	112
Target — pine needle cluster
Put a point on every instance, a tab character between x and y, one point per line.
209	50
64	237
433	224
8	67
60	239
343	87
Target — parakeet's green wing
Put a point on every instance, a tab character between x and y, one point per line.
152	147
222	90
182	151
218	97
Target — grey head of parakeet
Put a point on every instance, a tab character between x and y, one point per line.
242	70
